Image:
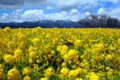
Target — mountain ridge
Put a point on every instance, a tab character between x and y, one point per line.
42	23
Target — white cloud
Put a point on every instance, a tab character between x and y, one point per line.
49	7
70	4
36	14
69	10
67	4
58	4
113	1
87	13
101	11
109	12
74	12
115	13
31	15
91	6
5	16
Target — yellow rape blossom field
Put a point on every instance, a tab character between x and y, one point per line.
59	54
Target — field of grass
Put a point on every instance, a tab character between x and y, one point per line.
59	54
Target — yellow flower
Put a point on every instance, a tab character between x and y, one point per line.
73	73
36	41
8	58
59	48
1	67
107	68
27	71
69	62
118	41
30	60
7	29
79	79
100	46
49	72
79	71
36	30
72	54
62	52
18	53
38	61
110	73
13	74
93	76
36	66
44	79
64	47
27	78
2	76
33	55
53	53
66	57
22	45
10	45
64	64
77	43
85	64
21	37
111	48
31	48
64	71
109	57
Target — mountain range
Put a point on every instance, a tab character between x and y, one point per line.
43	24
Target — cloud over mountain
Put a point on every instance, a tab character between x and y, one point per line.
30	10
34	15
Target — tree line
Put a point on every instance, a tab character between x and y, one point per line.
102	21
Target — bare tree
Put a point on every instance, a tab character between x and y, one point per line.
99	21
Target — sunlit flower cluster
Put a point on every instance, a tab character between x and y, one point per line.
59	54
13	74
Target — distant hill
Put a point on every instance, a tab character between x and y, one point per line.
92	21
42	23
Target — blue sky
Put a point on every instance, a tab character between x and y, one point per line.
74	10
